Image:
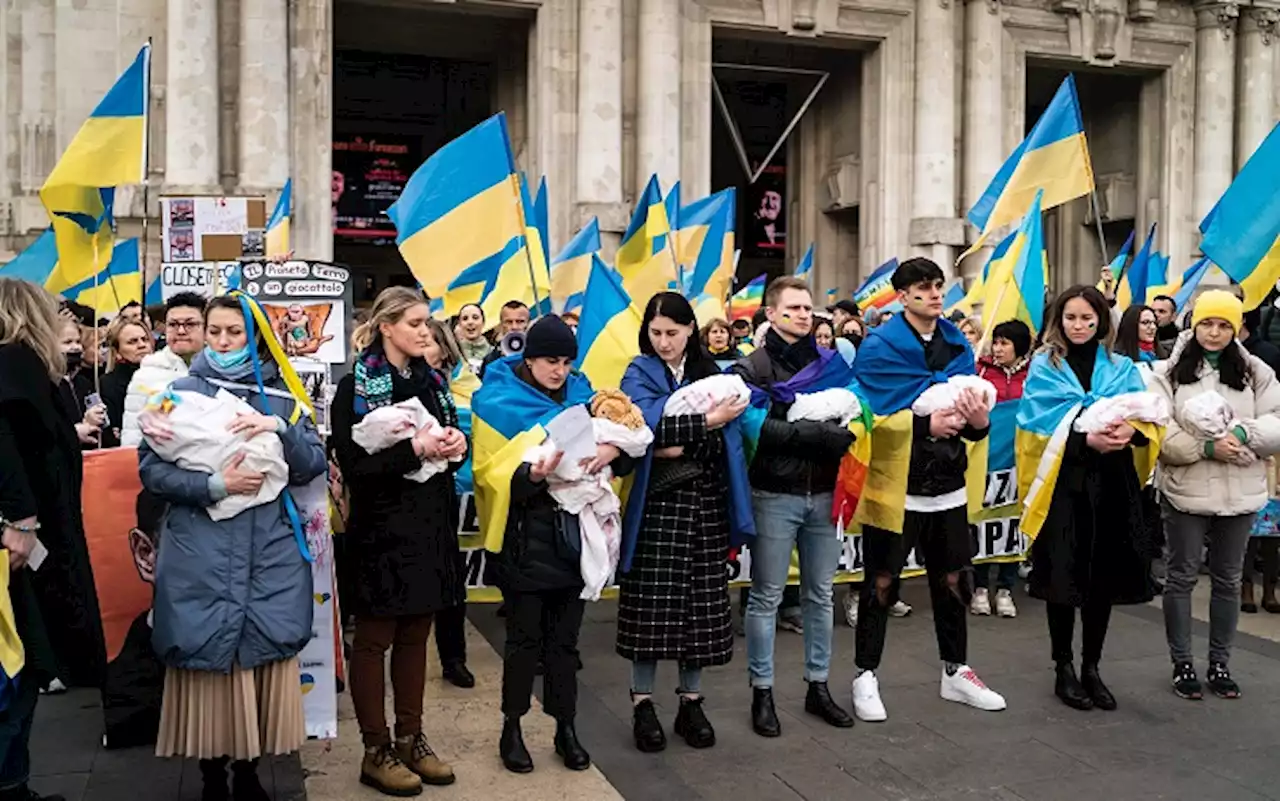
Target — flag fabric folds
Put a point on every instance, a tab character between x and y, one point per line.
1015	287
1054	158
608	328
645	259
877	291
705	244
571	268
1182	288
463	385
523	275
1146	265
806	264
117	284
278	224
953	297
82	227
1242	232
748	300
36	263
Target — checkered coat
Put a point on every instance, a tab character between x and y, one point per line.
674	602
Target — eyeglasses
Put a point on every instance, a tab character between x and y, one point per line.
1145	323
185	325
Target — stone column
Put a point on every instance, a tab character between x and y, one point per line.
600	101
264	95
37	146
983	106
191	96
1257	77
658	117
1215	102
554	67
933	201
312	165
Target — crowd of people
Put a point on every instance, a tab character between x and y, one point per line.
1115	513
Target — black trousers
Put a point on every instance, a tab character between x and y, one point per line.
1094	619
545	624
942	540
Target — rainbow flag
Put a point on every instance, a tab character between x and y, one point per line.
877	291
748	300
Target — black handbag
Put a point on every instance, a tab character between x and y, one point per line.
568	535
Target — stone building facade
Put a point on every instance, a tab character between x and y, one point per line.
923	101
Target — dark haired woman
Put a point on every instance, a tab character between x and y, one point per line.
1212	488
1136	336
674	601
471	339
1090	539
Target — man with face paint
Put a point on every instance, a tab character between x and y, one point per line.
897	362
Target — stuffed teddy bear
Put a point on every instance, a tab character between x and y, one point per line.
616	406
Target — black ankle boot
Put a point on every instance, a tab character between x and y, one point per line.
214	773
819	702
763	717
647	729
1068	688
515	757
1097	691
569	749
245	785
456	673
692	724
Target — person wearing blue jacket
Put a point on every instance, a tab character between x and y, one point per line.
233	599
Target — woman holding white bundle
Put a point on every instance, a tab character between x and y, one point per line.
1213	480
233	605
402	534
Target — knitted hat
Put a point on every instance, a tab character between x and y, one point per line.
550	337
1218	304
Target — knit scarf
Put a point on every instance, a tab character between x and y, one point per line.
373	380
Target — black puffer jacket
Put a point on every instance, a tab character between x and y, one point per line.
798	458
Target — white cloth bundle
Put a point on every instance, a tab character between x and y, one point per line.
835	405
701	396
200	441
941	397
1208	416
1147	407
384	427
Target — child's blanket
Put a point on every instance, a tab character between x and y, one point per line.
1208	416
701	396
1147	407
837	405
940	397
384	427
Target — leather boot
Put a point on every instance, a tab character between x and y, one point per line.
819	702
647	729
383	771
416	754
1098	692
515	757
569	749
245	785
763	717
692	724
1269	601
214	774
1246	598
456	673
1068	688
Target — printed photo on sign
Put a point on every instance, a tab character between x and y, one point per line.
309	329
182	245
182	213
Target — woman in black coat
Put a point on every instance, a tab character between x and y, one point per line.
402	536
55	606
129	341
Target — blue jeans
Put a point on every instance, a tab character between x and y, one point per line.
643	675
1006	575
15	734
784	523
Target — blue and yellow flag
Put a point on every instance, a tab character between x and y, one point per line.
524	276
1015	287
1184	286
540	215
705	245
1242	232
1146	271
35	263
507	419
672	205
83	227
278	224
570	269
953	297
1054	158
118	284
646	259
806	264
461	208
463	385
609	328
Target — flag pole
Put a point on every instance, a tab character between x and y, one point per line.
97	330
1097	219
146	185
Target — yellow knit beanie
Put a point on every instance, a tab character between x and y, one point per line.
1217	303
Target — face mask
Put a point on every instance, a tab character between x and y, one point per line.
74	359
229	360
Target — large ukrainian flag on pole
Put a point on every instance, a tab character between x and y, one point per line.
524	276
572	267
645	259
705	244
608	330
1054	158
1014	289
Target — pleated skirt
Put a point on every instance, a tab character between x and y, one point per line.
243	714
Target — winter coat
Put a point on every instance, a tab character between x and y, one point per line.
157	371
56	607
1008	383
401	535
235	593
115	387
1197	484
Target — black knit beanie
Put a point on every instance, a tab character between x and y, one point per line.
550	337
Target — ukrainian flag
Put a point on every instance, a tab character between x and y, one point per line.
1054	158
705	244
36	263
82	227
609	328
508	416
116	285
979	287
1014	290
481	280
1242	232
570	269
1184	286
806	264
672	205
463	385
523	277
461	208
278	225
645	259
1146	271
541	218
954	296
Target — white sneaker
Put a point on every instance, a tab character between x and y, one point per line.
966	688
866	698
981	603
1024	570
851	609
900	609
1004	604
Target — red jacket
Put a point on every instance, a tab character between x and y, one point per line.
1008	384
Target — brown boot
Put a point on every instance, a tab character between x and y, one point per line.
417	755
1269	601
1246	598
383	771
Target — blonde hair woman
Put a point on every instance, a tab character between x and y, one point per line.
402	537
57	618
128	342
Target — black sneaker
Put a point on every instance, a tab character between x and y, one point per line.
1186	684
692	724
1220	681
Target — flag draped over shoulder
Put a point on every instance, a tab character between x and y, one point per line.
1051	400
648	383
507	419
892	373
463	385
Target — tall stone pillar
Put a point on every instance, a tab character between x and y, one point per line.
37	145
1215	102
1259	27
934	227
312	126
191	96
658	117
983	106
264	95
600	101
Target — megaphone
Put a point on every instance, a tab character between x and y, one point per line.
512	343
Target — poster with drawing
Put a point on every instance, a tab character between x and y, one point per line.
308	303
